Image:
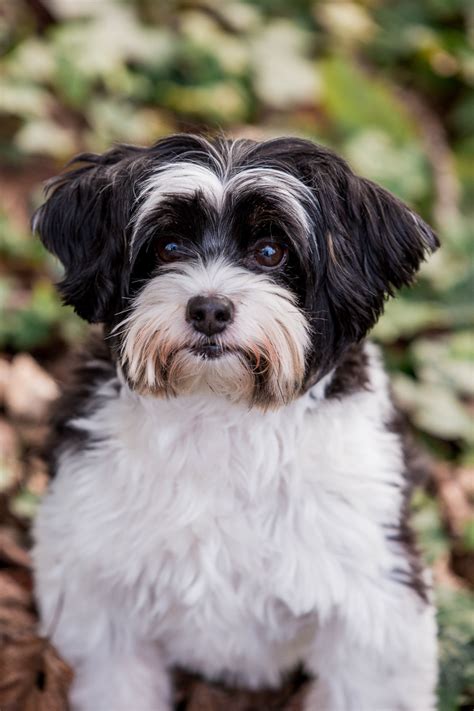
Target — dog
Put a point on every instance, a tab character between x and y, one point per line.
230	487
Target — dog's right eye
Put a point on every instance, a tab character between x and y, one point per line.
170	250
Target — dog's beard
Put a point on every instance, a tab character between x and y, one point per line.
258	359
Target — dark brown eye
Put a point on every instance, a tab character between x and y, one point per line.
270	254
169	250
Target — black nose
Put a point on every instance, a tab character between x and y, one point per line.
209	314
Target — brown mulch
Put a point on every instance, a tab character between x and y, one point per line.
32	676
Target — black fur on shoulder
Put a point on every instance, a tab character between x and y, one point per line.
82	394
415	474
351	374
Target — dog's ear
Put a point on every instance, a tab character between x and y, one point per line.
83	222
374	245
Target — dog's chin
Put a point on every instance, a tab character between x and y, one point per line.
219	370
212	368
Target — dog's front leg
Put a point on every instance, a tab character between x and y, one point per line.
387	662
114	668
132	679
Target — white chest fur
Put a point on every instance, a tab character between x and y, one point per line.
228	534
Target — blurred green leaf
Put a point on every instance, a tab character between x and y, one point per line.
447	361
24	504
427	522
356	102
406	318
468	536
401	169
434	408
456	648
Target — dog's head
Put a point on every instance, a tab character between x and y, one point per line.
241	267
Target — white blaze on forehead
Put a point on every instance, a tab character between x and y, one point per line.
188	179
181	179
284	187
177	179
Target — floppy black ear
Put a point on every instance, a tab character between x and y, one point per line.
368	245
83	223
375	245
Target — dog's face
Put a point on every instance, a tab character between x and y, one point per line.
242	268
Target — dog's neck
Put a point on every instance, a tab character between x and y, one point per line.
207	404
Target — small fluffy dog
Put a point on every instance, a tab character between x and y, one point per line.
231	488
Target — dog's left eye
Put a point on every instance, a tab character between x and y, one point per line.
169	250
269	255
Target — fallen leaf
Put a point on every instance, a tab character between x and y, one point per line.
30	389
10	466
4	376
11	550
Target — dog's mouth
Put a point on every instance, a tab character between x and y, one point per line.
210	350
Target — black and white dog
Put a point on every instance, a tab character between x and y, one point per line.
230	490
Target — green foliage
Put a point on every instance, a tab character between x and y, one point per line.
356	101
31	314
456	645
455	611
427	522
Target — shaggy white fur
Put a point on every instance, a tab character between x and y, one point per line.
236	543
